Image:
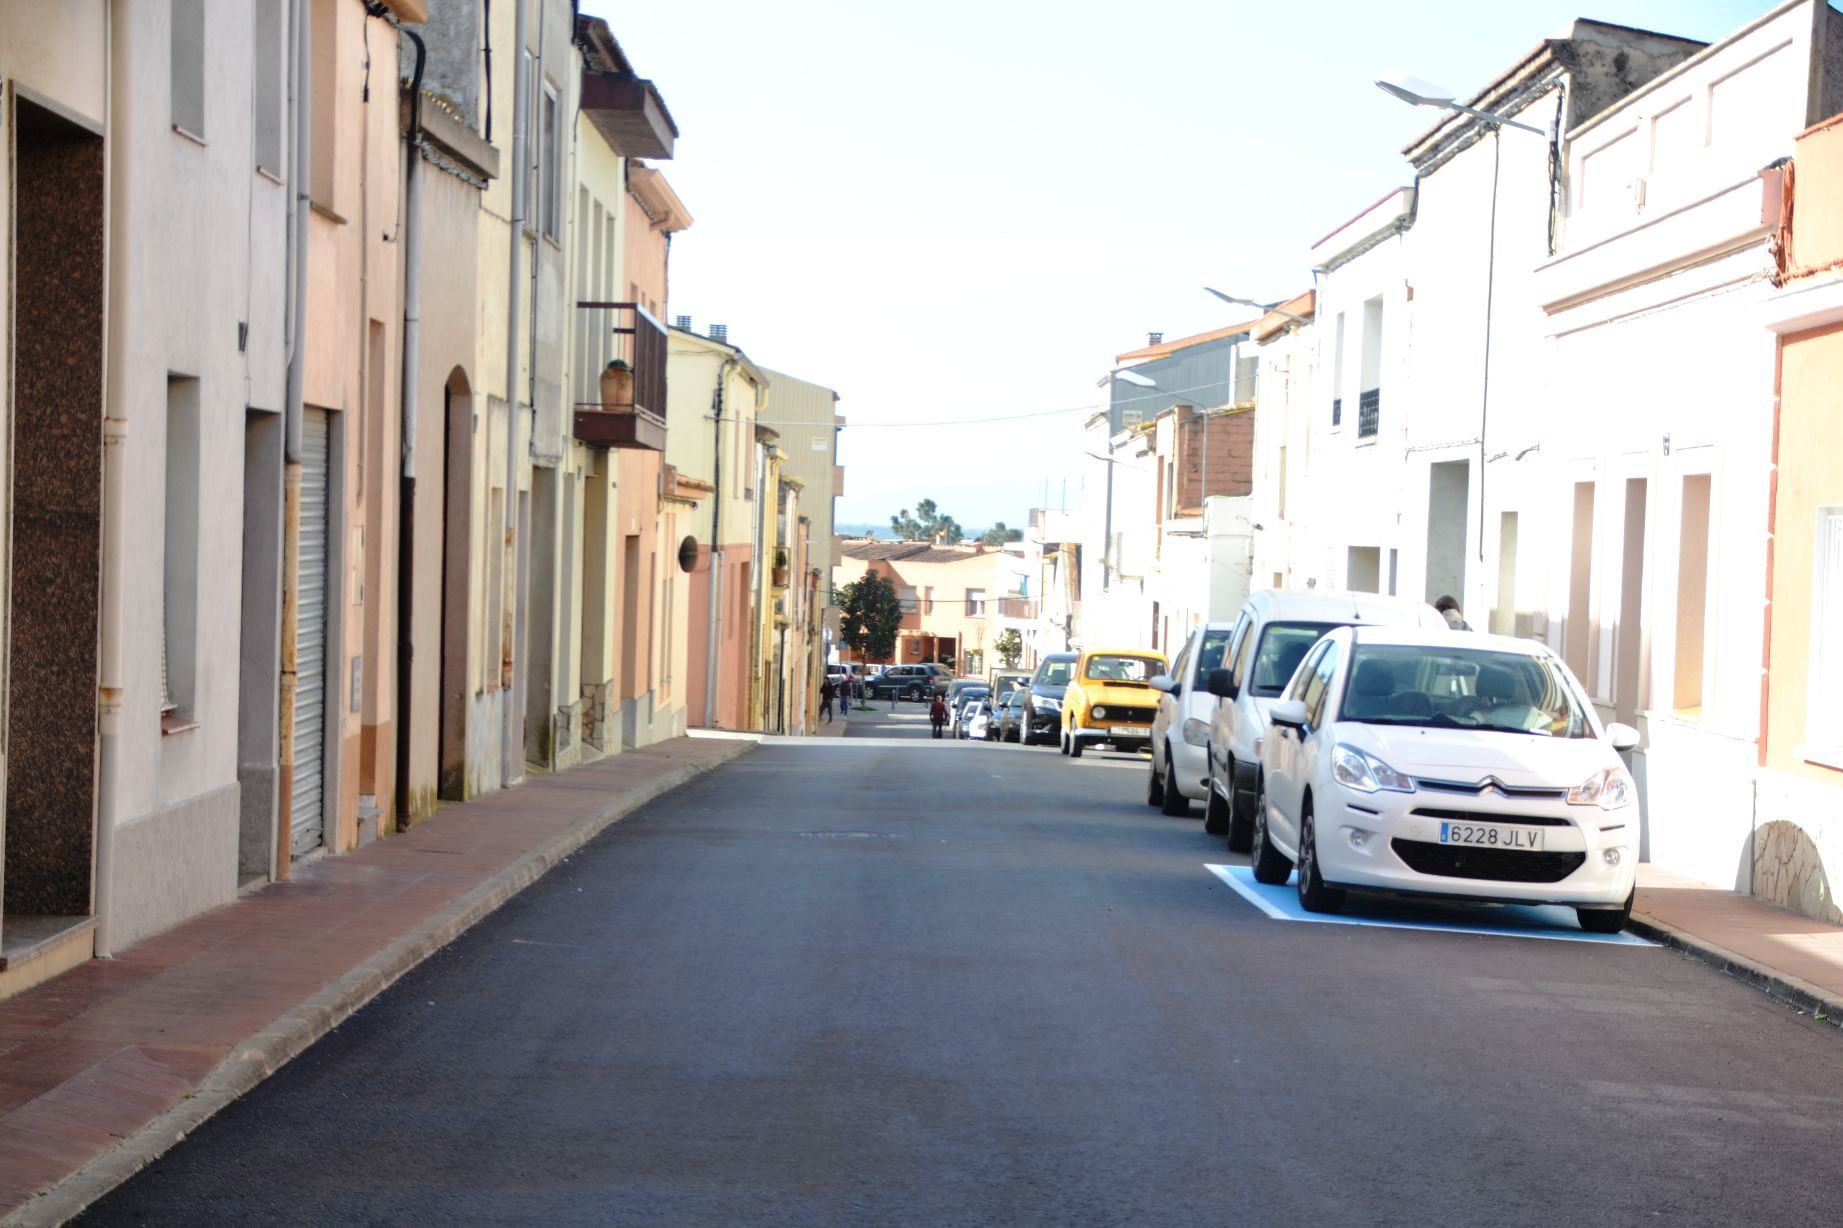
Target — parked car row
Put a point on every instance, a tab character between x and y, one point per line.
1363	743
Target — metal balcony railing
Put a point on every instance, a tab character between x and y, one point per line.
1369	413
1024	608
607	332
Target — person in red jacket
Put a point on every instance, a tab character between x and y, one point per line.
937	714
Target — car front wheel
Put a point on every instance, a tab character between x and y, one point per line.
1270	865
1176	804
1314	895
1215	812
1606	920
1240	822
1155	786
1075	747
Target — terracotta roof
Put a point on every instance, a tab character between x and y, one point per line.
1273	322
1183	343
907	552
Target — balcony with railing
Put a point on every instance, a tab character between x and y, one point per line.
620	377
1369	413
1023	609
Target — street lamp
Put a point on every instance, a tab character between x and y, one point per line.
1248	302
1419	93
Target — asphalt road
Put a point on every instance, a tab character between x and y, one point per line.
917	983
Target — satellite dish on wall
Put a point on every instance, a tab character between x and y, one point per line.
688	554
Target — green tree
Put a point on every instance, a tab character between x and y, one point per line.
869	612
926	525
998	535
1010	647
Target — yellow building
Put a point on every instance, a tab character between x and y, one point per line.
946	593
1798	817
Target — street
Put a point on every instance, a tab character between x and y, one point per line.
869	982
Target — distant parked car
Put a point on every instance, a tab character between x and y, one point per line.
1043	698
958	688
979	724
908	682
963	707
1010	718
1110	700
1180	731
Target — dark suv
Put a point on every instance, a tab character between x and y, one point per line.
909	682
1043	701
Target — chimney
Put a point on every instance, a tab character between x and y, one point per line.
1154	338
682	323
720	332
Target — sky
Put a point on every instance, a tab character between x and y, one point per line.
957	214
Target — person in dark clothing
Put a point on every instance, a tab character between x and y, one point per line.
827	693
937	714
1449	608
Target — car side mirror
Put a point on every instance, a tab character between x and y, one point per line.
1288	712
1221	684
1163	682
1623	737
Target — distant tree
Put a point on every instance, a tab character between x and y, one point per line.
998	535
1010	646
926	525
869	613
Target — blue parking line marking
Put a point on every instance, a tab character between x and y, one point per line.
1549	921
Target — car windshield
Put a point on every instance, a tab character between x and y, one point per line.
1118	667
1054	674
1461	688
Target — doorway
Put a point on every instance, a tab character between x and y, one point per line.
457	537
1448	494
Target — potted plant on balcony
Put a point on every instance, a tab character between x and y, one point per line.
618	387
780	567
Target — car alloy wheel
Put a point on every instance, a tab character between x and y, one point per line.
1314	896
1270	866
1176	804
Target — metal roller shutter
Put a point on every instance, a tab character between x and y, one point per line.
309	814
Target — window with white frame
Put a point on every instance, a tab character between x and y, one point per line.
1824	689
550	210
975	603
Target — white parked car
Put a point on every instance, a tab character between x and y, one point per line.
979	722
1274	630
1446	763
1180	729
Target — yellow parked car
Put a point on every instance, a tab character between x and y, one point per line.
1110	700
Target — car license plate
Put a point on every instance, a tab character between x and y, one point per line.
1491	836
1127	731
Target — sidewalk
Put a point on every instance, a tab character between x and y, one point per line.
1787	954
107	1066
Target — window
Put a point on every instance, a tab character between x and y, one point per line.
1363	569
179	609
1318	689
1303	678
1119	667
270	75
1692	595
1337	374
1183	661
907	597
550	209
188	67
1281	648
1214	645
1369	399
321	148
1824	694
975	603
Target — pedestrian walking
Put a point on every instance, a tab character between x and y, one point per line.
828	691
937	714
1449	607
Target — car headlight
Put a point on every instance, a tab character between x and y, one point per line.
1609	789
1099	713
1196	732
1365	773
1047	704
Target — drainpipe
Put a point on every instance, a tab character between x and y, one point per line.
114	428
412	377
711	654
300	69
512	743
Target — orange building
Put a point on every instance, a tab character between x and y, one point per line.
948	596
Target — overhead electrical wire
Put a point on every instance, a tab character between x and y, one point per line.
1161	394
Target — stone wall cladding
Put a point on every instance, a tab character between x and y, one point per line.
1798	838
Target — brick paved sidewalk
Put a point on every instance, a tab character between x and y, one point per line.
103	1068
1787	954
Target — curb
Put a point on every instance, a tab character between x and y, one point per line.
1796	992
262	1054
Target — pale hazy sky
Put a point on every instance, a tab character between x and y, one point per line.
958	212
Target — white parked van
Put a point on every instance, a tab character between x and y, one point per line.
1272	634
1180	731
